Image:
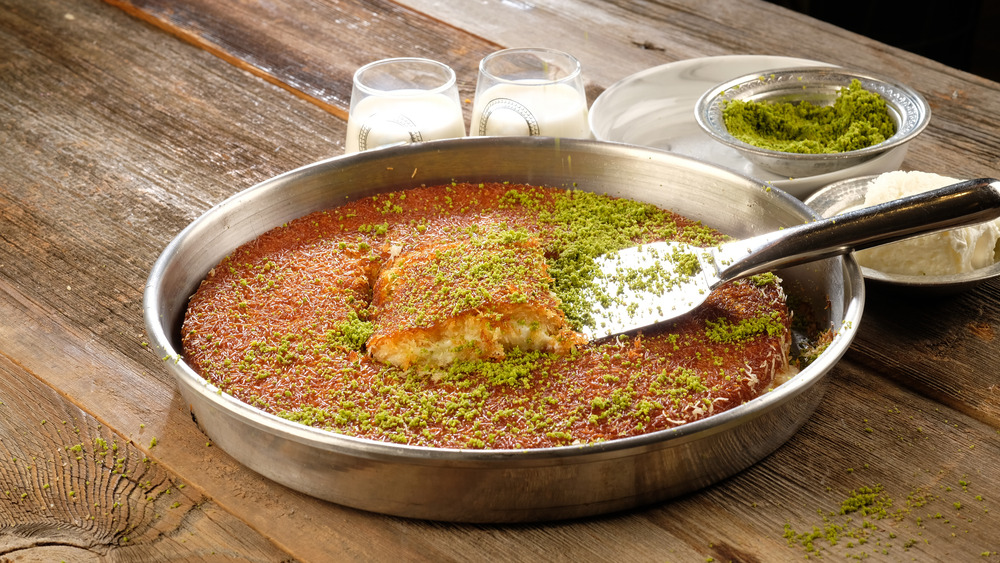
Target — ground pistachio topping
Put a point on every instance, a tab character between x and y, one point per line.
286	322
857	119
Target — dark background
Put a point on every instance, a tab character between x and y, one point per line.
964	34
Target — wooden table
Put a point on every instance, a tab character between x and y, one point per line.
121	122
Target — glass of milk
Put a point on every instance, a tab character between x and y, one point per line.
403	100
530	91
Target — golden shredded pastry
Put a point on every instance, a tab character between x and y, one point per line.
444	316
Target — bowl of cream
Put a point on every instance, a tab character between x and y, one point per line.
950	260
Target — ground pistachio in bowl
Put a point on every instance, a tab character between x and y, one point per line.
856	120
807	121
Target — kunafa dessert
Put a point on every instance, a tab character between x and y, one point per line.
447	316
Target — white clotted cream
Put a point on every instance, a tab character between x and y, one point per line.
954	251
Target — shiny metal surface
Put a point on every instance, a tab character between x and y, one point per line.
650	286
819	86
846	195
498	485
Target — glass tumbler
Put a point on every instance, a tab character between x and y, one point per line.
530	91
403	100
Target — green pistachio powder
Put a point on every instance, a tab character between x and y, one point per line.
585	226
856	120
590	226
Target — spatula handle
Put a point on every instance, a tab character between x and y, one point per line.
958	205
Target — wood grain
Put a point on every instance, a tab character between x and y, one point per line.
942	345
932	466
73	489
120	123
313	48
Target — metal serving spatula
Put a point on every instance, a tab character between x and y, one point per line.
653	283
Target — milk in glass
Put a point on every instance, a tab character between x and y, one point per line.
531	108
405	116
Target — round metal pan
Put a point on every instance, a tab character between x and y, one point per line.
501	485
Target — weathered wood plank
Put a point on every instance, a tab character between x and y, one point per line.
942	345
111	164
313	48
72	489
929	474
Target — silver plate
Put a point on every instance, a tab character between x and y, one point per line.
500	485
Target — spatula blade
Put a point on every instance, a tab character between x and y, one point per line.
648	284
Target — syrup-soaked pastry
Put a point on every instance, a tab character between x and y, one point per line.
445	316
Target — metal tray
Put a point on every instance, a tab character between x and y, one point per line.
501	485
848	194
